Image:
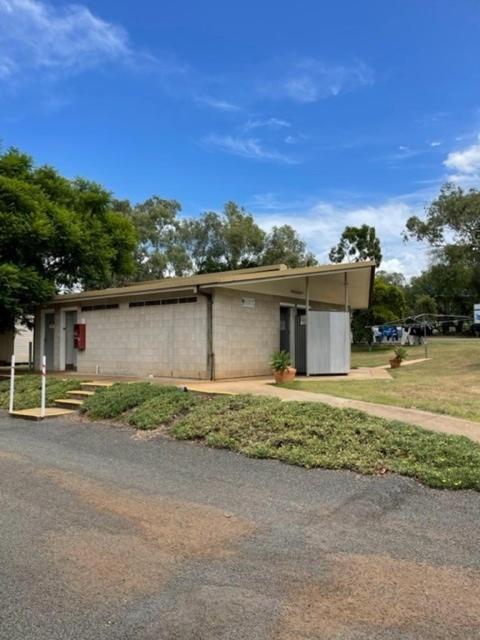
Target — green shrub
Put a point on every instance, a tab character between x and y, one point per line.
316	435
280	361
400	353
162	409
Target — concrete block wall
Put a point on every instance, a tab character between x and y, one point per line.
164	340
244	338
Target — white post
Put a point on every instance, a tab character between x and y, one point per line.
12	384
43	392
307	316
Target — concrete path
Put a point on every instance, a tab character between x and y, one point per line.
425	419
108	535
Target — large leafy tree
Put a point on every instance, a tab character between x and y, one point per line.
357	244
283	245
452	229
223	242
161	249
452	223
388	304
54	234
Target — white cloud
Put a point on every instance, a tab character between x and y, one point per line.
466	161
465	166
36	35
309	80
321	224
247	148
435	143
269	123
215	103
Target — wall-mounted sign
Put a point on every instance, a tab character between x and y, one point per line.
248	302
476	313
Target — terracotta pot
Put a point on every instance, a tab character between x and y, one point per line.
395	363
285	376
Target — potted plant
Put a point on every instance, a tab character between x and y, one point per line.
281	364
400	355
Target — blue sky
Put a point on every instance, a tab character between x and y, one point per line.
314	114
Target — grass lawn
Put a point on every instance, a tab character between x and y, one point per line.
448	384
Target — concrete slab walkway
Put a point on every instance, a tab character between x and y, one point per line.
425	419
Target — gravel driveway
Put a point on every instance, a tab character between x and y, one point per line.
108	534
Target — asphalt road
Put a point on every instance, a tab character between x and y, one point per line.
108	535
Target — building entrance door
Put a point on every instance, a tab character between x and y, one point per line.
70	352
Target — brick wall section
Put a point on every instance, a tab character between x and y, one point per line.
244	338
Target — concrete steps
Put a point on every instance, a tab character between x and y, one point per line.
80	394
64	406
69	403
34	414
97	384
77	396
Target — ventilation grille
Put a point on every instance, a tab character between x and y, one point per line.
100	307
155	303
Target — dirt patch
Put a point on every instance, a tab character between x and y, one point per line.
366	595
96	563
145	546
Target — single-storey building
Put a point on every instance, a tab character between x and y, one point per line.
210	326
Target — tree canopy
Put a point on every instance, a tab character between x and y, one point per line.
55	234
357	244
451	228
171	245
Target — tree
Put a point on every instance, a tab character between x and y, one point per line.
223	242
357	244
452	229
160	250
455	287
452	223
284	246
54	234
243	238
425	304
388	304
393	277
204	241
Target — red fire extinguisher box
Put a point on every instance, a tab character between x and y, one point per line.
80	336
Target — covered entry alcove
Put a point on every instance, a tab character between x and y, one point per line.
315	304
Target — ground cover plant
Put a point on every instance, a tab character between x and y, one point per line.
111	402
315	435
449	383
142	404
27	391
163	409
